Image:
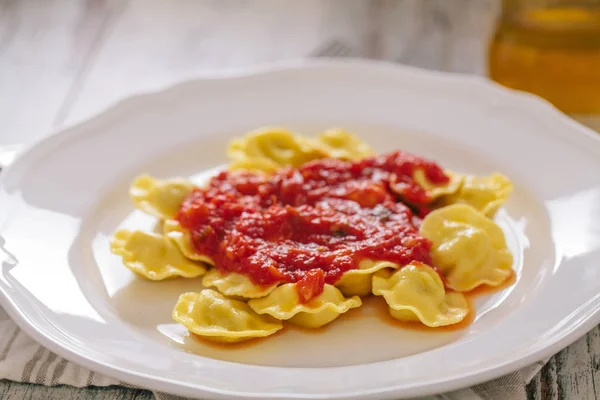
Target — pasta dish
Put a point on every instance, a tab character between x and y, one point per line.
299	229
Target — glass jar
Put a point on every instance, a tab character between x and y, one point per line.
551	48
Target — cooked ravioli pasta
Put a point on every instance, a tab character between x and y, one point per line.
283	303
269	149
484	193
434	191
416	293
153	256
160	199
338	143
307	225
357	282
234	284
181	237
213	316
468	248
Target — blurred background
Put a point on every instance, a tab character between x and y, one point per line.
62	61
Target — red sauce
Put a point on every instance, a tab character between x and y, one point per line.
311	224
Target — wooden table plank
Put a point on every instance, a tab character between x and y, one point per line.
573	373
155	44
441	35
23	391
43	45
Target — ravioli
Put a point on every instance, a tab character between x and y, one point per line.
160	199
153	256
234	284
174	230
416	293
357	282
296	226
485	193
468	248
434	191
338	143
283	304
271	148
214	317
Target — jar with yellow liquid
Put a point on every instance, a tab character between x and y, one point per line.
551	48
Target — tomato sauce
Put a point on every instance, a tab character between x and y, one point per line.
309	225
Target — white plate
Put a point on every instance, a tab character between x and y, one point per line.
64	197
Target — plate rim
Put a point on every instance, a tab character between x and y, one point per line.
530	104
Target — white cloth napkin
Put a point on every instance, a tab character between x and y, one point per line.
24	360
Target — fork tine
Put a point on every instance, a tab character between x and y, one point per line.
324	49
336	49
341	49
333	48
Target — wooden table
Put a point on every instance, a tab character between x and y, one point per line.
62	61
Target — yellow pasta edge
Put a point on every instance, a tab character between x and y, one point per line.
218	332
